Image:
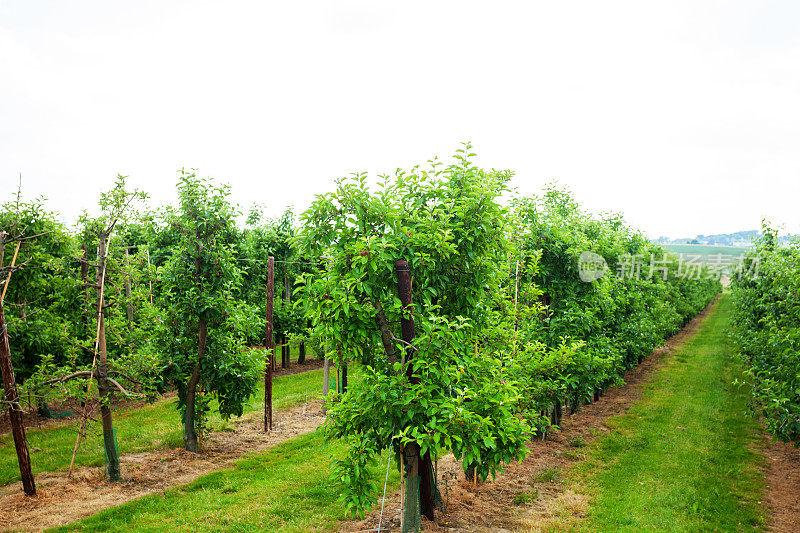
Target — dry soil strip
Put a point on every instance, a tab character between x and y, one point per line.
61	501
783	485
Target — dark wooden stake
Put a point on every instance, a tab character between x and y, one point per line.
419	470
14	410
11	396
129	308
269	344
85	279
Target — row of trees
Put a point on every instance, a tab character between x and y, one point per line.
766	329
468	317
502	331
134	302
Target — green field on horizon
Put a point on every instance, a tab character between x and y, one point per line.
704	250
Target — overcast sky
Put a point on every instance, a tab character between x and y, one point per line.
685	116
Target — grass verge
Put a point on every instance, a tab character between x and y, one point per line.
284	489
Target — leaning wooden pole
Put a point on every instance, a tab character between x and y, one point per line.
269	344
13	262
11	399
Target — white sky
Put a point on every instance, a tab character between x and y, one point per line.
683	115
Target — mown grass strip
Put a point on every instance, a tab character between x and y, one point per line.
142	429
682	458
284	489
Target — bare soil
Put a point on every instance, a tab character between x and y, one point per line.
61	501
782	473
530	496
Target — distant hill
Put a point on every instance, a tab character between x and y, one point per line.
740	239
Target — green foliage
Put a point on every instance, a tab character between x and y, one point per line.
40	305
448	224
594	330
198	282
766	330
355	479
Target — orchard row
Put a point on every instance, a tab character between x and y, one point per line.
461	306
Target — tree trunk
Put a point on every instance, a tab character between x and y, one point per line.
301	356
420	490
427	486
14	411
469	473
106	395
189	434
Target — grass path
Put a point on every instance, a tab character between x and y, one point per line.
285	489
682	458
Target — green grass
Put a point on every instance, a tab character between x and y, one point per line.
284	489
153	426
681	459
705	251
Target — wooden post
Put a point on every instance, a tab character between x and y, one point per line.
14	410
11	399
419	484
269	345
129	309
287	295
13	262
149	277
516	297
85	280
326	376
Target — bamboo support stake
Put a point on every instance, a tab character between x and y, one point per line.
149	276
128	303
94	359
8	279
516	298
